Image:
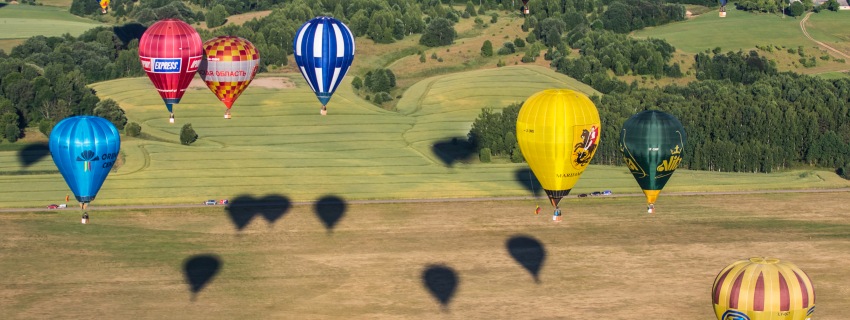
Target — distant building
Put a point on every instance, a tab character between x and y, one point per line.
842	4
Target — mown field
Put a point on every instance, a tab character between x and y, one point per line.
454	260
278	144
25	21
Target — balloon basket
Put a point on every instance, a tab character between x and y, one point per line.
171	120
323	112
722	14
85	221
227	116
557	218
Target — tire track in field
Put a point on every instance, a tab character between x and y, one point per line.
806	33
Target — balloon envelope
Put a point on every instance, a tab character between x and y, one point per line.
104	4
230	65
558	132
324	50
763	289
170	51
84	148
652	143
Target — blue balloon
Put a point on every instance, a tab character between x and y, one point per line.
84	148
324	50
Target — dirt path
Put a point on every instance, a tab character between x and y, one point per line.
806	33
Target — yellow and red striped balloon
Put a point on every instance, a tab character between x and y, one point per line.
763	289
230	65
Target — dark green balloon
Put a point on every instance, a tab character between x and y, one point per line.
652	143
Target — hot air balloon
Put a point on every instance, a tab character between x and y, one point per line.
84	148
652	143
324	50
103	5
230	65
558	132
524	7
763	289
171	52
723	8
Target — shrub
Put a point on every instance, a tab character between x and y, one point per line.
484	155
12	132
133	129
187	134
45	126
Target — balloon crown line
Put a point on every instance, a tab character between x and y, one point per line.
764	260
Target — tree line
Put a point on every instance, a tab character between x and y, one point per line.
742	116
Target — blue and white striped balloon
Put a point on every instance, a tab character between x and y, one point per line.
324	50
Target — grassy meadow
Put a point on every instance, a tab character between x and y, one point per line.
25	21
607	260
741	30
278	144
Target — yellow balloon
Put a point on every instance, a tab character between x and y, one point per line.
558	132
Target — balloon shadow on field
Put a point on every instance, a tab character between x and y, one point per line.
199	271
33	153
441	281
453	150
244	208
330	209
528	252
526	178
128	32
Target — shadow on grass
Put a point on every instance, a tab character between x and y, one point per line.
529	253
441	281
453	150
525	177
33	153
244	208
330	209
199	271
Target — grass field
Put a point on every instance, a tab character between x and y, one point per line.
277	143
607	260
741	30
24	21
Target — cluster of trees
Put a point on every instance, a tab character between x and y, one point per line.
496	132
624	16
603	51
379	81
794	9
742	117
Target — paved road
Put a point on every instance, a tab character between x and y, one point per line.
303	203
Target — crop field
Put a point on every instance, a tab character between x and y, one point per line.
278	144
24	21
451	260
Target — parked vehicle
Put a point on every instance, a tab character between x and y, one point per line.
596	193
210	202
223	201
53	206
583	195
606	193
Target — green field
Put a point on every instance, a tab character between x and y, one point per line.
607	260
277	143
739	30
24	21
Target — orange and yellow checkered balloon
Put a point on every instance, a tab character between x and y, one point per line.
229	66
